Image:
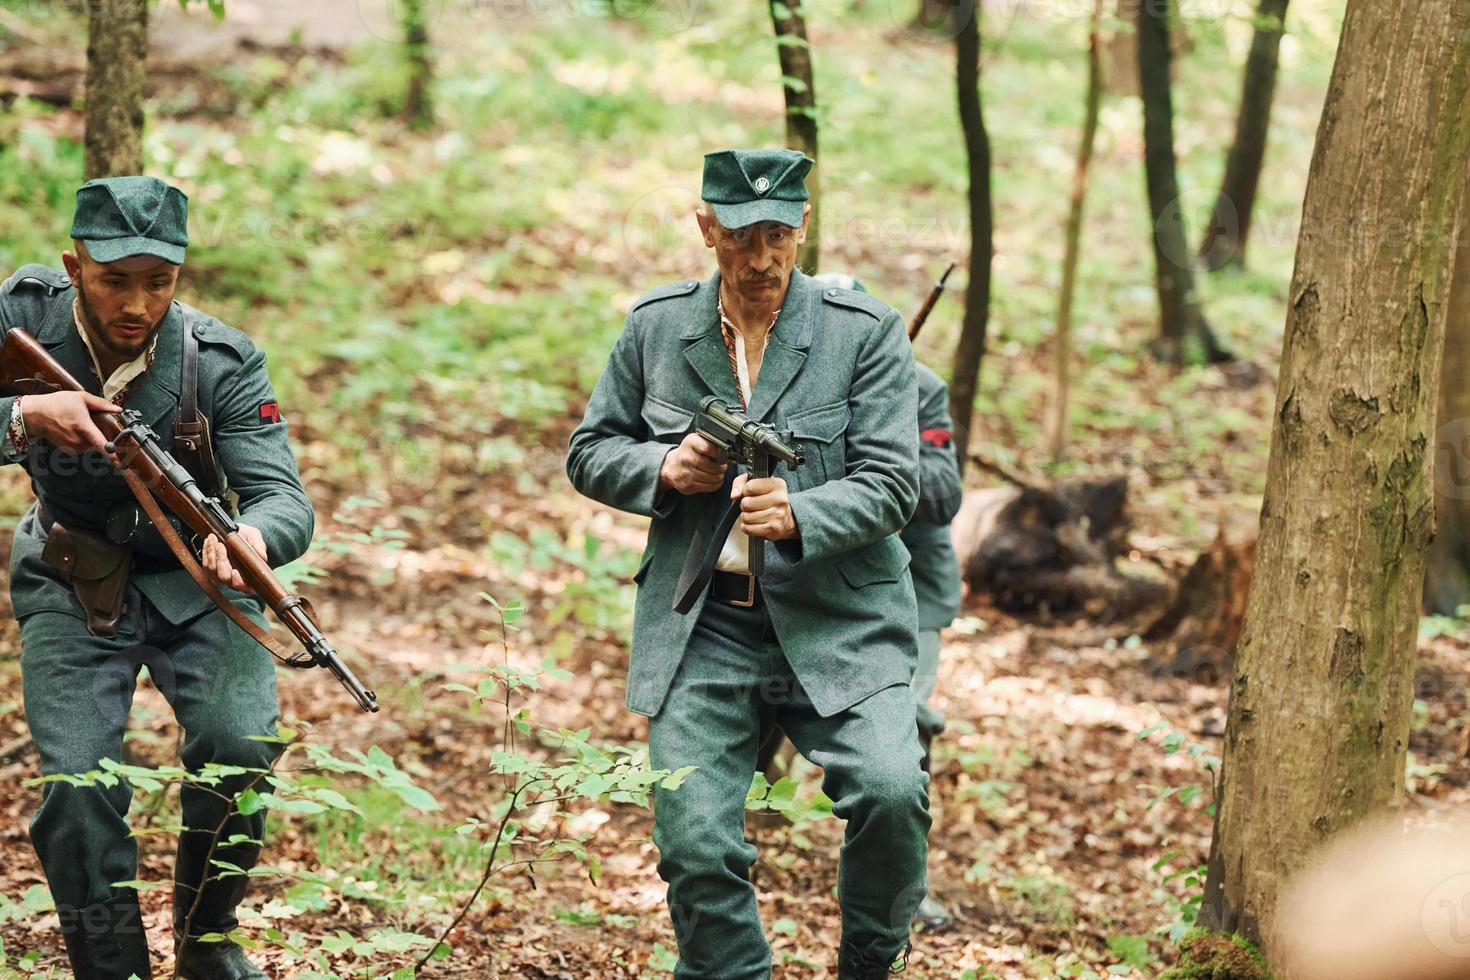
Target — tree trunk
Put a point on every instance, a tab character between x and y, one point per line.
1180	317
1447	576
965	373
1120	66
1319	713
1056	437
1229	227
418	103
117	64
800	87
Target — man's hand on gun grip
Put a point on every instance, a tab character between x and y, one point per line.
692	467
765	508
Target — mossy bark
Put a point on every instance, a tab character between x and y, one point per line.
1215	956
1319	711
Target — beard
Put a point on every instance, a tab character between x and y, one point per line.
99	334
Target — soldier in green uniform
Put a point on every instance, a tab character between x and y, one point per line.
932	565
97	593
823	644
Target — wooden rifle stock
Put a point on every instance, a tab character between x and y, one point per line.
27	368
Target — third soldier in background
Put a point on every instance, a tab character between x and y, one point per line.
935	570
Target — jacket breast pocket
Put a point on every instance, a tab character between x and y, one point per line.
821	433
666	422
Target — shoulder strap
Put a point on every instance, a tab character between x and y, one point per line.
189	379
193	446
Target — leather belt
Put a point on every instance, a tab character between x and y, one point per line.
735	589
144	561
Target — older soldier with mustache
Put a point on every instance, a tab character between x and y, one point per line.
823	643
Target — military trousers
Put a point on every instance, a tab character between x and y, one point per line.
931	719
78	693
733	682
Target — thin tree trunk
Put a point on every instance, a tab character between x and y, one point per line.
800	87
418	103
1447	575
1318	724
1180	316
117	65
1120	65
1057	423
965	373
1230	224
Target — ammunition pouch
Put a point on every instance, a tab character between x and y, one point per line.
97	571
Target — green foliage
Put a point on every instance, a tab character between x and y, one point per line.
782	797
1132	951
350	795
595	578
216	7
1206	761
1045	898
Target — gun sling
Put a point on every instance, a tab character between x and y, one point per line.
97	567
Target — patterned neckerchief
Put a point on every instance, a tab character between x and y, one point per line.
729	331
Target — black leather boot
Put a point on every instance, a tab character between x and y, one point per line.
106	941
213	912
856	963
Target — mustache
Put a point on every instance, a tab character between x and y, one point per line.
760	278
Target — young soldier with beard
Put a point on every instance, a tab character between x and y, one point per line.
98	594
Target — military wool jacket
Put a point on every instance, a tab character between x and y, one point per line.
838	372
249	435
934	568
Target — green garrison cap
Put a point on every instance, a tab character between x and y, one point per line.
746	186
119	217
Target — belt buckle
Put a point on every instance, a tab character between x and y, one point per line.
749	599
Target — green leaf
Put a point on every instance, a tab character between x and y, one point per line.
143	886
416	797
249	802
661	959
336	800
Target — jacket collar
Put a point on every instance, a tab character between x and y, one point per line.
784	356
157	394
793	327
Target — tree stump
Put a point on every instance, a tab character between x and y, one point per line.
1198	632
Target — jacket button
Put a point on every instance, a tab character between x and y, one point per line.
831	292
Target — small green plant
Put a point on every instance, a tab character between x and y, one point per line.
1191	876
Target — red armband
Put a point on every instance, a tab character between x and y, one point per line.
939	438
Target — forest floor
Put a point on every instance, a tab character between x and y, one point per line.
436	307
